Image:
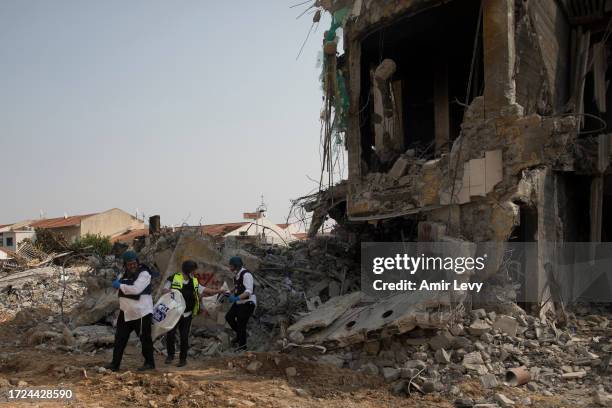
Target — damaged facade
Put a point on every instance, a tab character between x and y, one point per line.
480	121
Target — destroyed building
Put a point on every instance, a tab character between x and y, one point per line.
477	120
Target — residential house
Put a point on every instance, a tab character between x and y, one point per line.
108	223
258	227
266	230
12	235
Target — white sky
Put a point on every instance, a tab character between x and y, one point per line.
189	109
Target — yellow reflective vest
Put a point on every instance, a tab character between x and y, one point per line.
177	283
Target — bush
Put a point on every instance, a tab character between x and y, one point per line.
96	243
49	241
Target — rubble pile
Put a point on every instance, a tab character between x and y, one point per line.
297	279
309	305
290	282
28	256
49	287
492	350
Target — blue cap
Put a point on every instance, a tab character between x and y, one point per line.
236	261
129	256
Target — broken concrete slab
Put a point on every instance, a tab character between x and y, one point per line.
489	381
391	316
574	375
506	324
479	327
391	374
400	167
473	358
19	279
89	337
212	268
326	314
503	401
443	357
443	340
474	362
96	306
162	259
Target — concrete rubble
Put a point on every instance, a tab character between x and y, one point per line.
413	344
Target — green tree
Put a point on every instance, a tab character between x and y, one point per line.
96	243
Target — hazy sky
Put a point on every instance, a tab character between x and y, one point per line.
189	109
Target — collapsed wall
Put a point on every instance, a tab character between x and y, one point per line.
471	120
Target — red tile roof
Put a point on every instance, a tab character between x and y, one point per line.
284	226
217	230
61	221
129	236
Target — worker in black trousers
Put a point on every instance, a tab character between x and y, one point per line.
243	302
136	309
187	283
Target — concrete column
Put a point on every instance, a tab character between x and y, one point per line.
353	134
441	110
499	56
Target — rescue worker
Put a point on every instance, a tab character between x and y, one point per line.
136	309
192	291
243	301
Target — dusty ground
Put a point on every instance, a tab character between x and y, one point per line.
221	382
218	382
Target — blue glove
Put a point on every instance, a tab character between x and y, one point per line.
116	284
233	298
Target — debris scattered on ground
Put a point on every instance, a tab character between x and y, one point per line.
309	307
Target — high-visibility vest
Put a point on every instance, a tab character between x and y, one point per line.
177	283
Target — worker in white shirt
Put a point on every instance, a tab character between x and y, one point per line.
187	283
243	302
136	309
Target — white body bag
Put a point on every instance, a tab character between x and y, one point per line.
167	312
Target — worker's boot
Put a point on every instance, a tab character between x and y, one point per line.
182	363
146	367
169	359
112	367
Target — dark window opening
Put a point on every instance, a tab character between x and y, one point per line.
433	54
518	266
575	207
9	242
